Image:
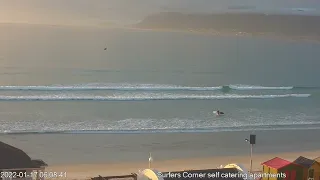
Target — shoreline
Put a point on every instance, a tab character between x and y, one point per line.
193	31
212	32
292	26
85	171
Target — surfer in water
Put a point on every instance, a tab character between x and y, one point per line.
219	113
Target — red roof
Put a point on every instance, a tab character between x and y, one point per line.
277	163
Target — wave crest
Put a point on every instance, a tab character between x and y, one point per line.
143	97
139	87
249	87
119	87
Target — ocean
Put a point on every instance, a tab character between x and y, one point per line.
65	99
61	80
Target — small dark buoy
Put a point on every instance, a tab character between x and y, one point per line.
105	48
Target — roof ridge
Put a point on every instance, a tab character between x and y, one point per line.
276	158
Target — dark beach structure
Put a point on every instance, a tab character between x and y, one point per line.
311	168
16	162
132	176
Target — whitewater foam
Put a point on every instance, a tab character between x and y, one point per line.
169	130
142	97
251	87
119	87
138	87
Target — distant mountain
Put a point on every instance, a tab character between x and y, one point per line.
291	25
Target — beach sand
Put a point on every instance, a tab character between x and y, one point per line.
87	155
85	171
61	149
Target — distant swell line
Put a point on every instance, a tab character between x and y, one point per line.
142	87
144	97
119	88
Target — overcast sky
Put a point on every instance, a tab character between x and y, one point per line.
99	11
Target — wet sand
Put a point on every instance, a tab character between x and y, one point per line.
61	149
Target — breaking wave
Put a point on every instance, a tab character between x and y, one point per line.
249	87
168	130
142	97
141	87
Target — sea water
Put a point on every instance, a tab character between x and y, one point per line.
61	80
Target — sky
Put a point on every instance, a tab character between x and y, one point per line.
123	11
74	11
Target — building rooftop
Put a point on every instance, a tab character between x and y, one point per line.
277	163
305	162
